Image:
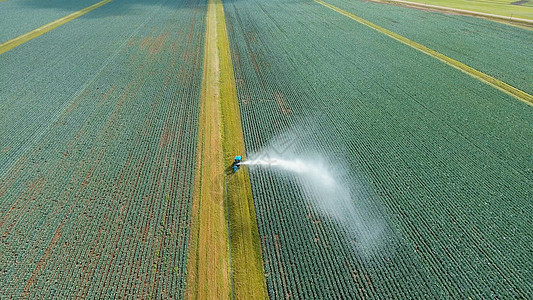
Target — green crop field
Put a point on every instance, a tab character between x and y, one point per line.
500	51
437	165
398	146
19	17
98	138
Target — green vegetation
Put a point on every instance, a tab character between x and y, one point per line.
437	162
6	46
99	121
498	84
498	50
22	16
118	124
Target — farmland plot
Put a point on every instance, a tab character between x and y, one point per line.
21	16
436	166
98	153
499	50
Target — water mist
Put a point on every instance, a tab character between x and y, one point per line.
326	184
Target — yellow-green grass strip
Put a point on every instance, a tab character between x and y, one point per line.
212	273
208	262
6	46
246	259
502	10
498	84
508	19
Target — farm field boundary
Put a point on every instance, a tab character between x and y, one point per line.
501	11
246	259
208	263
498	84
220	139
510	20
13	43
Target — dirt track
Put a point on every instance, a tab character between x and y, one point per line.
508	20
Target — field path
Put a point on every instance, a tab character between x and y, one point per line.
513	15
220	139
208	263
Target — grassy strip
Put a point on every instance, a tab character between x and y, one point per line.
513	20
247	261
220	137
503	9
6	46
208	269
498	84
